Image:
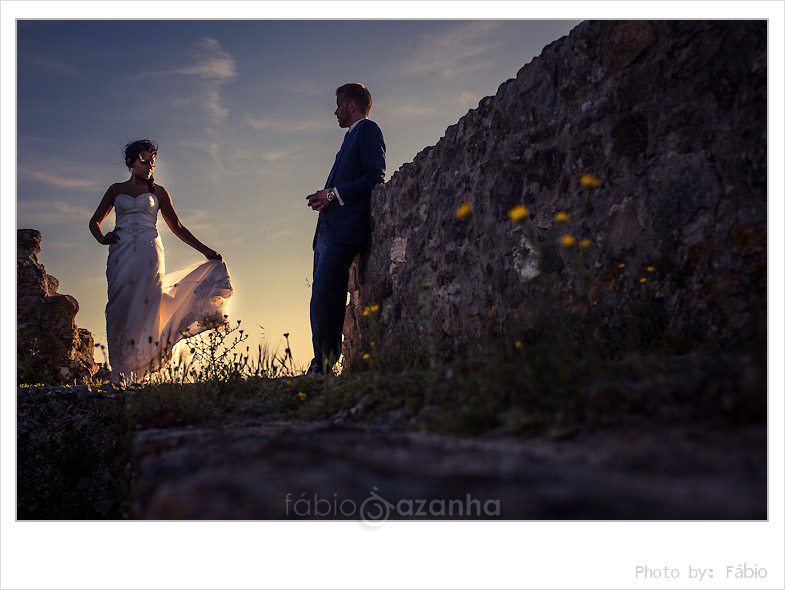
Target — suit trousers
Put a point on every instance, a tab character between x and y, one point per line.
331	264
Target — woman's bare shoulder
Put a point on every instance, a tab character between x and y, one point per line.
113	191
116	189
162	193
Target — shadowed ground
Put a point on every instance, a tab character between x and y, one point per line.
679	438
249	469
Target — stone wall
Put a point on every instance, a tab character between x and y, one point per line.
50	348
670	116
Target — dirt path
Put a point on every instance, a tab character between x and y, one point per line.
257	469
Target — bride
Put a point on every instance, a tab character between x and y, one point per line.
148	311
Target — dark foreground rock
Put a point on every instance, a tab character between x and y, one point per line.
77	458
71	453
283	470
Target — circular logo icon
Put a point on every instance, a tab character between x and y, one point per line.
375	510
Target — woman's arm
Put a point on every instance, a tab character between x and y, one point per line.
178	229
104	208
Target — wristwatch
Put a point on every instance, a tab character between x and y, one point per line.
330	196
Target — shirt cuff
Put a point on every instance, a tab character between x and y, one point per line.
337	194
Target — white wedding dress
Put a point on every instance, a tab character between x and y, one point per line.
149	313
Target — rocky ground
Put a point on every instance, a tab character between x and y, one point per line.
256	469
71	453
80	456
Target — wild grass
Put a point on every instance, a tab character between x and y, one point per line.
547	396
568	370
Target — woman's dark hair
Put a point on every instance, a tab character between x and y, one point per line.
134	149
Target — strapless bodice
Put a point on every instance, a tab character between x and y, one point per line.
136	212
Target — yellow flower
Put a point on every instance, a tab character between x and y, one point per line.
366	356
374	308
621	265
301	395
643	280
366	312
562	217
464	211
588	181
518	213
585	243
567	241
373	343
518	344
650	268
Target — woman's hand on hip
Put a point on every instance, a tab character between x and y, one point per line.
110	238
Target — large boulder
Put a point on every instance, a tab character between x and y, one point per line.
50	348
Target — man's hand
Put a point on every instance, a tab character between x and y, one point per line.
318	200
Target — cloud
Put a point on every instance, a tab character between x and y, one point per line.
282	161
283	126
211	102
467	98
404	111
463	48
248	159
64	245
54	179
95	280
45	212
52	65
273	155
210	226
305	87
213	63
213	67
199	216
278	235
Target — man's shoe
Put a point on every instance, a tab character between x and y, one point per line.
315	368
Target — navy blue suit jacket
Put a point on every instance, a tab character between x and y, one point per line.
359	166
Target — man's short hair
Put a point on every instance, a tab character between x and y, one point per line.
359	94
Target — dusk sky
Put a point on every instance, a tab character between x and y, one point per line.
242	110
243	115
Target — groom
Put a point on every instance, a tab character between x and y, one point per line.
343	228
